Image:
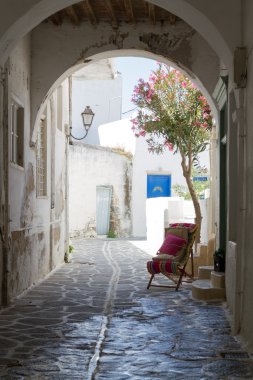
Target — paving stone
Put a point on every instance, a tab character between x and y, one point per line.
98	304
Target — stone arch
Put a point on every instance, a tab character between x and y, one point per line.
20	20
58	52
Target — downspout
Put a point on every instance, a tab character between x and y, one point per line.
68	142
52	178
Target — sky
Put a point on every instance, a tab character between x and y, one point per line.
132	69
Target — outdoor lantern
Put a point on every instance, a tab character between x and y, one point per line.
87	116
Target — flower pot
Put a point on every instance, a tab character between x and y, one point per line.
219	264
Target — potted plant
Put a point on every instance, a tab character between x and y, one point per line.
219	260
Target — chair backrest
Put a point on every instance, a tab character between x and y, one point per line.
192	229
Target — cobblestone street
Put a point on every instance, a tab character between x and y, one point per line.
95	319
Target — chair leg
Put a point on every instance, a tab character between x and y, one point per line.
179	281
192	264
151	278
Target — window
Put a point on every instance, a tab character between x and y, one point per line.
41	187
158	186
17	133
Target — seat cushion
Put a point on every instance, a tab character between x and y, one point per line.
172	245
163	256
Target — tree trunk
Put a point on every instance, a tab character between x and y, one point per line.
194	197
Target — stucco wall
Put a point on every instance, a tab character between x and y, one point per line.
37	228
99	90
91	166
56	50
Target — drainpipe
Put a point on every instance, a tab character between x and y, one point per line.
68	142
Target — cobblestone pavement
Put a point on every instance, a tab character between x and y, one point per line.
95	319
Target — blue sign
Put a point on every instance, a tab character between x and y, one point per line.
158	186
201	179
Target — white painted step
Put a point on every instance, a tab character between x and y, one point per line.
204	272
204	290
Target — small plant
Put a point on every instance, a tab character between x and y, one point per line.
219	260
111	235
67	254
66	257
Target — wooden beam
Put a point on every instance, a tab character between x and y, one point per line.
151	11
57	19
145	6
111	12
172	19
86	6
129	10
71	13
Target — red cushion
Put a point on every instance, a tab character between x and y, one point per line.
172	245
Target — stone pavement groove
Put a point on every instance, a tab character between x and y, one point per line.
95	319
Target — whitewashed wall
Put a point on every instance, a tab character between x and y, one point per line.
98	87
37	226
120	134
89	167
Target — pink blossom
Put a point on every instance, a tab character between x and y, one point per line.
169	145
184	84
201	98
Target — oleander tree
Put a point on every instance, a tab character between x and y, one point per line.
173	114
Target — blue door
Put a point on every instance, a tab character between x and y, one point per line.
158	185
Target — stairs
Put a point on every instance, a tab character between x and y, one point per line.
210	285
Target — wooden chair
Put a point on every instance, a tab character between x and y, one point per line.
172	263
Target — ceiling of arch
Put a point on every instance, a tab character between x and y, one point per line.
113	11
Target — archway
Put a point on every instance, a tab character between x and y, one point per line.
17	22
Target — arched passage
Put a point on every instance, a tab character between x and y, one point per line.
206	82
20	20
56	52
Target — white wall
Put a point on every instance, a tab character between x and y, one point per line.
103	95
54	50
120	134
91	166
37	231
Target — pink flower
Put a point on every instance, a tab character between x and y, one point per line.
184	84
169	145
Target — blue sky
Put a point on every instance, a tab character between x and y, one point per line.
132	69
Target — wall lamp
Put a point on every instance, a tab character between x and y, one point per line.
87	116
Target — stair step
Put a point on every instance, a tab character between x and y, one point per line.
204	290
218	279
205	272
202	249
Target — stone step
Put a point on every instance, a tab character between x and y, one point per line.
204	272
218	279
202	249
203	290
